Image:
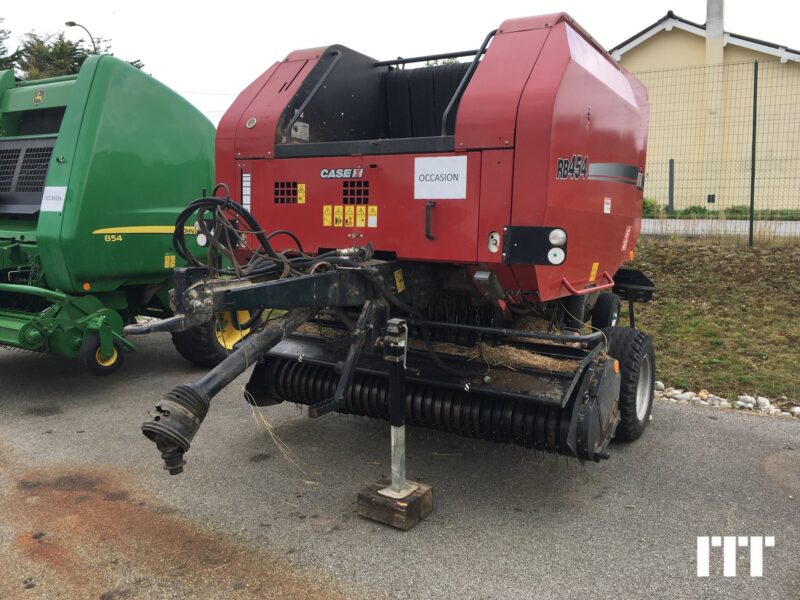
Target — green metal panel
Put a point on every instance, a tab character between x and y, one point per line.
131	154
51	94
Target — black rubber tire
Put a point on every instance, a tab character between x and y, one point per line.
199	345
605	312
630	347
88	359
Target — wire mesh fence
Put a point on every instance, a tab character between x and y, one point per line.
723	154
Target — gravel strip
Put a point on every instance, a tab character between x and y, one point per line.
744	403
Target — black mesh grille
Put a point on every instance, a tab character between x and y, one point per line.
8	164
355	191
34	169
285	192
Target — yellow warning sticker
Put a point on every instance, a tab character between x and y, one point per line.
361	216
338	216
399	282
349	216
327	215
301	193
593	274
372	216
169	261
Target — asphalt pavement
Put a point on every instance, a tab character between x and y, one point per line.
87	512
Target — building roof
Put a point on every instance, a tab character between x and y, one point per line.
671	20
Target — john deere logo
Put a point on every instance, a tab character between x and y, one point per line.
38	97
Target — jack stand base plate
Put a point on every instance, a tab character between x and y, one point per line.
402	513
407	490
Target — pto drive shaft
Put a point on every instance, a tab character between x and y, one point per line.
175	420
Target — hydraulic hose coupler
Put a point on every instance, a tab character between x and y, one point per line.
174	422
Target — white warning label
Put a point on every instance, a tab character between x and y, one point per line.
440	178
53	199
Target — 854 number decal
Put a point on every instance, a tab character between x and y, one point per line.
572	168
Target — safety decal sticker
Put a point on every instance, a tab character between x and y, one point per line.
593	274
626	238
169	261
349	216
301	193
399	281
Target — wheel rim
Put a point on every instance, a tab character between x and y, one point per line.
227	333
106	362
615	317
643	387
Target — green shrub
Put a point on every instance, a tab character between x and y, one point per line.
740	211
650	209
779	214
694	212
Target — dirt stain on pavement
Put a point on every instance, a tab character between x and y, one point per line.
89	533
43	411
781	467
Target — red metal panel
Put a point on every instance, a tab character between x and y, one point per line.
307	53
537	22
226	130
266	108
400	218
533	174
588	116
497	167
487	113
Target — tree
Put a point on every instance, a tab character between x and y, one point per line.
6	59
42	56
50	56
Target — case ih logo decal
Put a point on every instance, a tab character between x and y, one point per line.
356	173
572	168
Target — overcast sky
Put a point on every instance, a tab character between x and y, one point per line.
209	51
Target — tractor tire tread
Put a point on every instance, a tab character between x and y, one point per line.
87	356
199	346
603	309
629	346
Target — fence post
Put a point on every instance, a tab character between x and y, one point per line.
671	197
753	152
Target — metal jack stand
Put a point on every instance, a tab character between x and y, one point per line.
403	504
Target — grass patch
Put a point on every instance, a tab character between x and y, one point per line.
724	316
